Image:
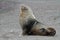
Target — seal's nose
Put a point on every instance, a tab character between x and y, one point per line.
51	31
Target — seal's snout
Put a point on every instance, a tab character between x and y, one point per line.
51	31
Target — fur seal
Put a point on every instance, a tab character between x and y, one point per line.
30	25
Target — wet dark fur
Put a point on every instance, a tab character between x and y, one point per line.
43	32
29	25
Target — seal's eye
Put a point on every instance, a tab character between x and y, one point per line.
42	30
